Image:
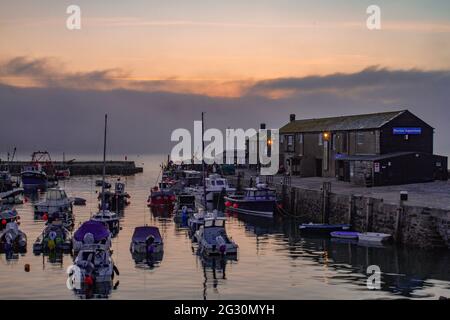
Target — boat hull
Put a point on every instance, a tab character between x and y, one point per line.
34	180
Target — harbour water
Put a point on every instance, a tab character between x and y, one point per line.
274	260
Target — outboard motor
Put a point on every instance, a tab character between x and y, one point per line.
221	244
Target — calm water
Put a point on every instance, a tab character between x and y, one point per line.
274	261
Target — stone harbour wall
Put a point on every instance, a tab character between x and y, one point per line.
409	225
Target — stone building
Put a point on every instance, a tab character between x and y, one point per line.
369	149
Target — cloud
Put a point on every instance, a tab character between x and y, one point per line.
50	72
65	112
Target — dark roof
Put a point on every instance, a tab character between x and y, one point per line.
342	123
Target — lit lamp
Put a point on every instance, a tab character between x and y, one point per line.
326	136
269	142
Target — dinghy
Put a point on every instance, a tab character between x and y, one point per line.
322	228
55	237
146	240
344	234
373	237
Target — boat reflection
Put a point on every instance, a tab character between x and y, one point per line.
147	261
214	271
100	290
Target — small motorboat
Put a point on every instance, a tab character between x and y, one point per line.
195	222
323	228
109	218
344	234
146	240
7	216
215	188
12	196
55	237
92	233
162	196
117	200
373	237
260	201
213	239
12	239
56	200
94	266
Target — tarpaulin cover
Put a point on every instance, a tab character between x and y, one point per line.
142	233
98	230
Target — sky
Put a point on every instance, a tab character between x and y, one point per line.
156	65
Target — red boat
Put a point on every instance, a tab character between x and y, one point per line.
161	196
62	174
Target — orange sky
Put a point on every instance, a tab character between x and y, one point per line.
211	46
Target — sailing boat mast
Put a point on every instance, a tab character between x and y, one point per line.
104	164
203	160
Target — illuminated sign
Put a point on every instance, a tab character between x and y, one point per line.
407	130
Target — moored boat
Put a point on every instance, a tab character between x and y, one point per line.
54	237
33	176
91	233
146	240
161	197
323	228
344	234
260	201
12	239
56	200
213	239
373	237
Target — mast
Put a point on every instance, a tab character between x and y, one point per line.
104	164
203	161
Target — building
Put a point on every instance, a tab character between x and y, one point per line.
369	149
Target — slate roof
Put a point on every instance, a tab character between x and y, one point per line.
342	123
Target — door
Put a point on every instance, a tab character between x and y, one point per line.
318	167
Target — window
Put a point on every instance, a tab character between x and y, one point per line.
334	141
282	138
300	138
320	139
360	138
290	143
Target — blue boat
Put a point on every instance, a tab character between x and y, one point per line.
345	234
34	176
260	201
146	239
323	228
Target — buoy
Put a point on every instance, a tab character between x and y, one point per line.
27	267
88	281
280	206
235	205
3	222
45	217
227	204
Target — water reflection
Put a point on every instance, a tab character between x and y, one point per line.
405	271
214	271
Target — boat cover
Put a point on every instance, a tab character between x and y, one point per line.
142	233
8	214
96	228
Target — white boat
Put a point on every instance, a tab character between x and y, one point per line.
56	200
373	237
213	239
214	186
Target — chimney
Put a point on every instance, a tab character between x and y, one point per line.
262	126
292	117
